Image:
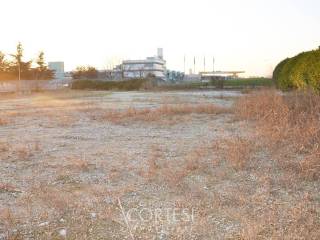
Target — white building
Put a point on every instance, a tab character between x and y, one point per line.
58	68
155	66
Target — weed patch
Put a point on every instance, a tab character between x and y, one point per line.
284	120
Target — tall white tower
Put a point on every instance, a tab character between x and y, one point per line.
160	53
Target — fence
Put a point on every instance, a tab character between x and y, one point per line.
32	85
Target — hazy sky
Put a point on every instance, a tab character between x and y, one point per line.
251	35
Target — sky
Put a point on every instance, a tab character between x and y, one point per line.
249	35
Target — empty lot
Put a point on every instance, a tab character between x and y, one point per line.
143	165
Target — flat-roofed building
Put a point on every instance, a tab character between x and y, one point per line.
58	68
151	66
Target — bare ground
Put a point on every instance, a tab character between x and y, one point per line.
73	166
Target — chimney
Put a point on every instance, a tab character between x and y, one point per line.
160	53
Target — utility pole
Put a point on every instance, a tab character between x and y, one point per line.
204	63
19	75
19	70
184	64
194	65
18	57
213	64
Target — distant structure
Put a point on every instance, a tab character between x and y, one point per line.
156	67
211	76
160	53
151	66
58	68
174	76
220	75
191	77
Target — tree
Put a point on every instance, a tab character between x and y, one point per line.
91	73
22	69
42	72
3	63
85	72
78	73
4	67
40	61
1	58
18	69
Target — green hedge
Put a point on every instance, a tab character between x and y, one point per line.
299	72
128	85
249	82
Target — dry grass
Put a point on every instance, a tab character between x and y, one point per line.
172	166
23	152
78	163
5	187
287	128
155	114
310	166
8	220
287	120
153	162
238	152
4	147
3	121
65	121
294	221
173	173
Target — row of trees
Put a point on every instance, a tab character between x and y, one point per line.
299	72
14	68
85	72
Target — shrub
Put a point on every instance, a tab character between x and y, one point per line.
299	72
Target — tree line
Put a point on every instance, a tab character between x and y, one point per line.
299	72
85	72
14	67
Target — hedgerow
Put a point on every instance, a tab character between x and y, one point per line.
300	72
